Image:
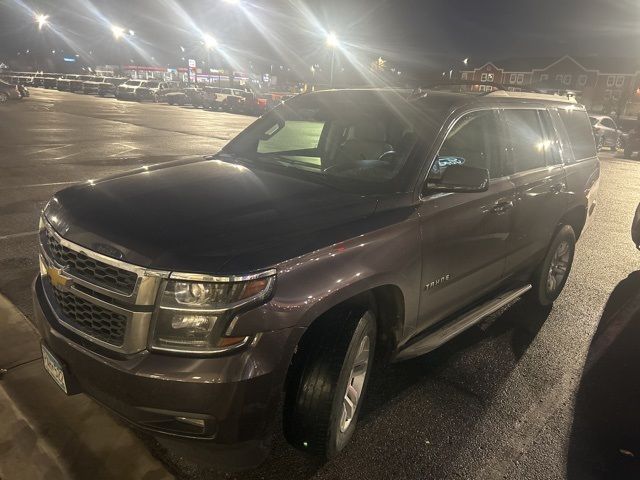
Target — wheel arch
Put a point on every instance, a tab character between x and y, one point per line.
385	298
576	217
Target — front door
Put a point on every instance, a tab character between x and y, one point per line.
540	184
464	235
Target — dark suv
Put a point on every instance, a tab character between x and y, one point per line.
198	297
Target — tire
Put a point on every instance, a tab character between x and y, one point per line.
323	375
627	152
600	144
618	145
548	284
4	98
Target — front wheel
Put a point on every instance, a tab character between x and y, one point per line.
552	274
327	381
4	97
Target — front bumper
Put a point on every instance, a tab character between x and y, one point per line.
236	395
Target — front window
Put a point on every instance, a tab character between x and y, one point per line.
335	137
473	141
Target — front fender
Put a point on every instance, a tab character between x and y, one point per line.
309	285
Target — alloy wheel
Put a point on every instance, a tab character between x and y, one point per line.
559	266
353	393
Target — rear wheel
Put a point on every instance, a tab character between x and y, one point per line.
627	152
327	381
552	274
3	97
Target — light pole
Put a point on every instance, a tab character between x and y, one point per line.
332	43
42	21
210	43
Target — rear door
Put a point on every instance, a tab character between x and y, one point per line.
535	162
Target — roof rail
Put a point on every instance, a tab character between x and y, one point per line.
500	90
533	96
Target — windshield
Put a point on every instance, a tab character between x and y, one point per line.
151	84
336	137
133	83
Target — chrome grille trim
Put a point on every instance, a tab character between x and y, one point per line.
136	307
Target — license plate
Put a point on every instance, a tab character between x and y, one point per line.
53	366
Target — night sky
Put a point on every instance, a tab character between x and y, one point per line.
415	34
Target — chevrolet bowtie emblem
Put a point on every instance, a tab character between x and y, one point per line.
57	277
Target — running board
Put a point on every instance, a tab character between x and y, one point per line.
437	337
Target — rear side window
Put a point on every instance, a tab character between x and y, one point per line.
551	144
526	140
580	133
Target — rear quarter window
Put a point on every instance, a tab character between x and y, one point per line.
580	133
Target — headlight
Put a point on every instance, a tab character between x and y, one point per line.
192	316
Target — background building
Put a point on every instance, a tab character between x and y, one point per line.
601	84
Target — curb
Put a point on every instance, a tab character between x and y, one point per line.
46	434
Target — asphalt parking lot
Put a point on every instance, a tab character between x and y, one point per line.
523	395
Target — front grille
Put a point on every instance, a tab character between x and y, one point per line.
94	271
91	319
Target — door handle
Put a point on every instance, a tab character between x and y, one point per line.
502	206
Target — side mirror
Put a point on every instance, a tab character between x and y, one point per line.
460	179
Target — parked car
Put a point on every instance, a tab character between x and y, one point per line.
90	86
227	99
51	80
127	90
64	83
187	96
164	88
9	92
253	104
109	85
635	228
630	137
192	297
38	80
606	132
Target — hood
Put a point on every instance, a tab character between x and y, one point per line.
206	216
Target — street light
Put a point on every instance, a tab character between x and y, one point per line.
42	20
118	32
332	42
209	41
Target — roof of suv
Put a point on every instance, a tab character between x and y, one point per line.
452	100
